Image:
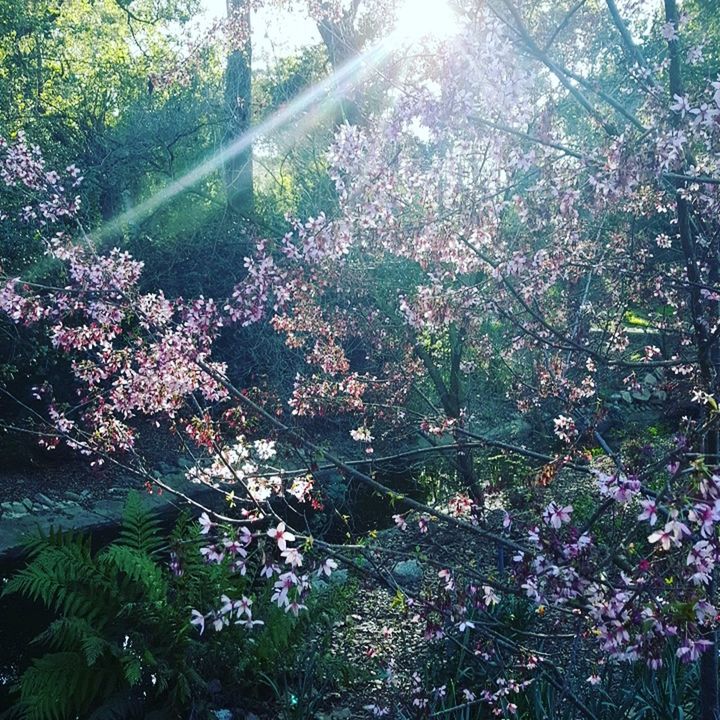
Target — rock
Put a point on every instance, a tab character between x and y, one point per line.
44	499
74	496
408	572
18	507
28	503
222	714
339	577
14	515
6	506
325	584
85	494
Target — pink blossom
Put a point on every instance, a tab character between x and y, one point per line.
198	619
669	32
281	535
400	522
327	567
649	512
555	515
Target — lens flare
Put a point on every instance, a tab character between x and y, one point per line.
417	19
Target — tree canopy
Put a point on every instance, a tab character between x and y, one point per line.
392	246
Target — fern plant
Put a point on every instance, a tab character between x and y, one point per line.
121	644
117	644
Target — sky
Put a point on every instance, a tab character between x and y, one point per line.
276	34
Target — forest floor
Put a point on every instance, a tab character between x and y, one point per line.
367	665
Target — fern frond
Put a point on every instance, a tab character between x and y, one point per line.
37	542
94	647
65	578
49	691
137	568
132	669
140	530
65	633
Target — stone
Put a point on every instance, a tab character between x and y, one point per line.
324	584
28	503
44	499
408	572
338	577
18	507
6	506
74	496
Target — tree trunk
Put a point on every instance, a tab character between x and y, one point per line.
342	45
451	398
238	98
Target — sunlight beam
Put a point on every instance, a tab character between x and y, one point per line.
417	19
333	86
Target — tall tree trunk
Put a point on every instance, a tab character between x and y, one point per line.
451	398
342	45
238	98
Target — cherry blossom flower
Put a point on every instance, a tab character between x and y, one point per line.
555	515
690	650
205	523
243	607
283	585
399	520
281	535
295	607
665	537
669	32
327	567
565	428
248	622
490	597
681	105
361	434
292	557
265	449
649	511
198	619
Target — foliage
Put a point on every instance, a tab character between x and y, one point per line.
121	644
534	215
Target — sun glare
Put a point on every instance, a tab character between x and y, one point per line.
426	18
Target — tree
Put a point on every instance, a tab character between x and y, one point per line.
523	202
238	98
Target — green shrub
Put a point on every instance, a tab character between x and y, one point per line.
121	644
